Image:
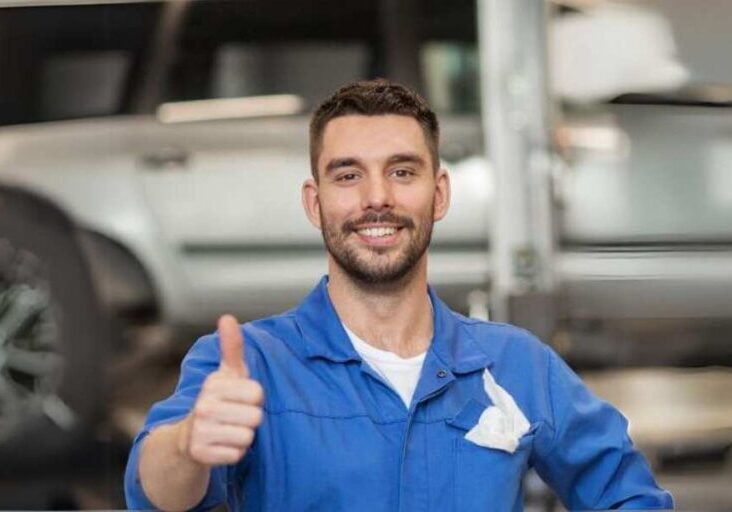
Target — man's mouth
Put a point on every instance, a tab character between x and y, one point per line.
377	232
378	236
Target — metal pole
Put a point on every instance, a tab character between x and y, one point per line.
162	55
400	36
514	108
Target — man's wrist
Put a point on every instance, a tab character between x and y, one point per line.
186	485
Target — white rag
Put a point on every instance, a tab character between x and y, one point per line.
501	425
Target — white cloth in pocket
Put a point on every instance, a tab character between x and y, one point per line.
502	424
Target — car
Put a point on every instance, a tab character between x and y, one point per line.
120	211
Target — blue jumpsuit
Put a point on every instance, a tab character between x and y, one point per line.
336	437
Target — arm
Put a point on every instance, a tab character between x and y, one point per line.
174	466
170	478
589	460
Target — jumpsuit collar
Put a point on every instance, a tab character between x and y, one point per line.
325	337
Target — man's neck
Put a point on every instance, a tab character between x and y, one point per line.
395	317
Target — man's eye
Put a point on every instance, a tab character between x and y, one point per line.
349	176
402	173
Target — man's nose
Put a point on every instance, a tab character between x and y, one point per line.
377	193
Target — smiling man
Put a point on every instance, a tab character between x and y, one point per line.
372	394
356	196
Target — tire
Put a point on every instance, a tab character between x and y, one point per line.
53	337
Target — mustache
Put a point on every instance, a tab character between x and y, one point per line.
375	218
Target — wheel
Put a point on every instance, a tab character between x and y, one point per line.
53	336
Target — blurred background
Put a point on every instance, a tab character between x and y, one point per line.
151	155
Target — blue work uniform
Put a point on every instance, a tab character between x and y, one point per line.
335	436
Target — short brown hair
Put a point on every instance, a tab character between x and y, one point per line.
373	98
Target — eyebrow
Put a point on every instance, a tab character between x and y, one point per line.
337	163
401	158
398	158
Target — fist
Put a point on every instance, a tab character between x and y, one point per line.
220	428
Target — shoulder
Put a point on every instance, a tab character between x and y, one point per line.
276	337
498	330
272	329
261	337
518	361
504	341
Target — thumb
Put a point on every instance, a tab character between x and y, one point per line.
232	346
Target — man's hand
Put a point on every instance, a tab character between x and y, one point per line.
176	459
220	428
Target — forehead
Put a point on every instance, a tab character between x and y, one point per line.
371	137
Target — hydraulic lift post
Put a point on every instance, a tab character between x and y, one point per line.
515	111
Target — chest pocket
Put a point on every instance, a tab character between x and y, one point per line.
486	478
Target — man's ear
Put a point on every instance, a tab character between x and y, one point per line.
311	201
442	194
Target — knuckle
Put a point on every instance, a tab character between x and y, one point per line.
247	437
257	392
197	452
233	457
256	417
211	380
215	380
201	429
208	388
201	410
205	409
198	435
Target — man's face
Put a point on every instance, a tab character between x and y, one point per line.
377	196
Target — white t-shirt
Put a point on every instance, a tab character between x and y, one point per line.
400	373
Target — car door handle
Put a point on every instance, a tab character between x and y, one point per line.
165	159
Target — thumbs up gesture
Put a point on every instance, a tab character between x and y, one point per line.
220	428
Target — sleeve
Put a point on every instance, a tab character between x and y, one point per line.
202	359
590	461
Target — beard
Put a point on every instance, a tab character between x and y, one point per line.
376	265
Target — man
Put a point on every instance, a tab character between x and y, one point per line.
372	394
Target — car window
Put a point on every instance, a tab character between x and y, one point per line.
82	83
75	61
59	62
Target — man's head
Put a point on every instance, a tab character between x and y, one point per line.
377	188
373	98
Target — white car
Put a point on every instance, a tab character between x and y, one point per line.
114	215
